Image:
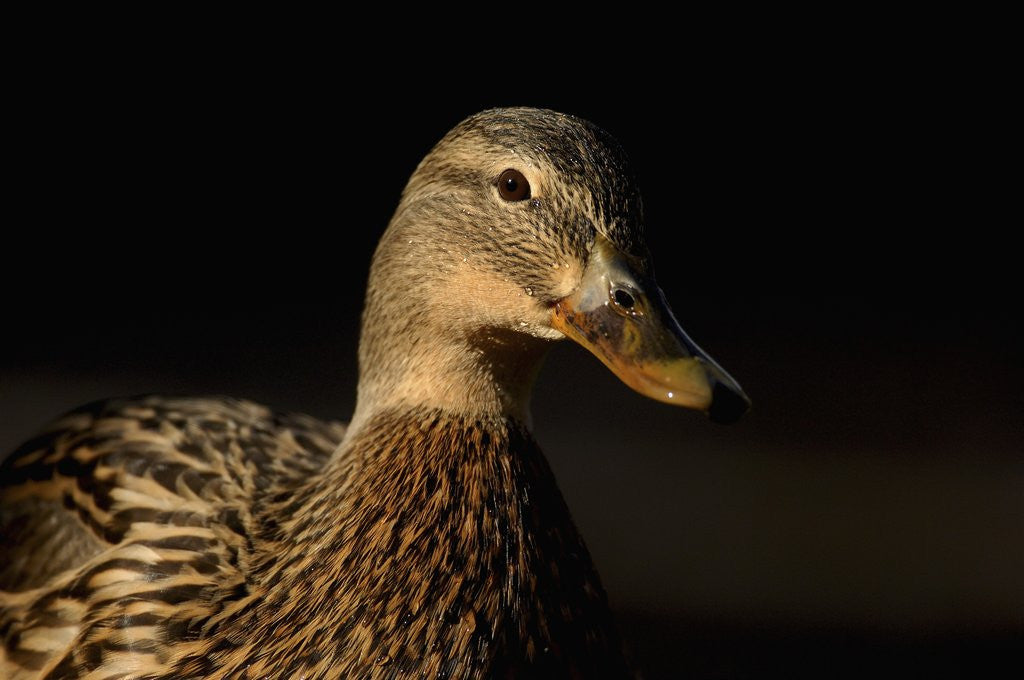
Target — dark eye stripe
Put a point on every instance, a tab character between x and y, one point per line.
512	186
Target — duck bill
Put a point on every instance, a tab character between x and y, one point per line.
622	317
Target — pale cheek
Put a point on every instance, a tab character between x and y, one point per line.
476	297
546	333
566	277
471	296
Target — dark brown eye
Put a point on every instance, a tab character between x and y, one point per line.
513	186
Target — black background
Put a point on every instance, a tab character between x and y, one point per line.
188	222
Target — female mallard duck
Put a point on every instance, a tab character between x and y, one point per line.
212	538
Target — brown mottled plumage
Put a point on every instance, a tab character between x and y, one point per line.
211	538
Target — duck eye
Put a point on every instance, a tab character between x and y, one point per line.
513	186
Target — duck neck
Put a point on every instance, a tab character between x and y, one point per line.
438	541
486	373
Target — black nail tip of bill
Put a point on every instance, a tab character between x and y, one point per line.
727	405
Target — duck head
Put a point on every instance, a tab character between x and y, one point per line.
522	227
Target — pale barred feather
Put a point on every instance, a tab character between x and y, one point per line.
153	499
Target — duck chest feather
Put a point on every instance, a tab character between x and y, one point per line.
426	545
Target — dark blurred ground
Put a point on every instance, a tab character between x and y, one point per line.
187	229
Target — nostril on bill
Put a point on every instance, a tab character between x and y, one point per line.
624	299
